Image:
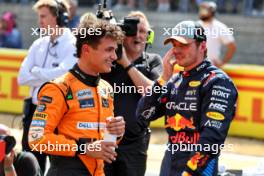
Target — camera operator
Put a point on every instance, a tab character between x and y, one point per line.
137	69
17	164
48	58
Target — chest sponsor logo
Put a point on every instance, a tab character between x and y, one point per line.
41	107
222	88
220	93
174	91
90	125
149	112
183	137
86	93
194	83
190	98
46	99
183	106
218	106
87	103
219	100
213	123
40	115
215	115
103	92
38	123
191	92
105	103
178	122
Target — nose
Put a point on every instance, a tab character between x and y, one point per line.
113	56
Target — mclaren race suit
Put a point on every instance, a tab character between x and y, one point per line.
71	111
199	106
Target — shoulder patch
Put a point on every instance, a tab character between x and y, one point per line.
69	95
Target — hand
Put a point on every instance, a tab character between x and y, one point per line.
169	61
9	159
35	70
124	61
102	150
116	126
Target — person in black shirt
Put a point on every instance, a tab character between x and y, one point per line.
130	78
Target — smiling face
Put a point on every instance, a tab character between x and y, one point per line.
137	43
188	55
98	59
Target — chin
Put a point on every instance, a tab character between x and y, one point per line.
108	70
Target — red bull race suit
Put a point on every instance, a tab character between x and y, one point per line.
198	106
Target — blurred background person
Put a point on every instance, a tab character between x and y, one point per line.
10	37
218	35
163	6
74	19
48	58
130	5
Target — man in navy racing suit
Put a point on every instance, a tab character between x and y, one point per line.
199	104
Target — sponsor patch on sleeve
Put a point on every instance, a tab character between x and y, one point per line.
105	103
46	99
35	133
215	115
40	115
38	123
41	107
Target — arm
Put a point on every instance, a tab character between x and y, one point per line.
153	106
218	110
42	134
135	75
231	49
25	76
52	73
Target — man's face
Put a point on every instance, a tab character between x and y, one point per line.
137	43
100	60
205	13
45	18
186	54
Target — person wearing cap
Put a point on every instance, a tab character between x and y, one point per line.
199	105
49	57
218	35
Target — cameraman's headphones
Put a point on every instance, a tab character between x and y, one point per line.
151	37
61	14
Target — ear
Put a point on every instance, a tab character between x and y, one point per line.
203	45
85	48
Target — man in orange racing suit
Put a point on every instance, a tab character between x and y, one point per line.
70	118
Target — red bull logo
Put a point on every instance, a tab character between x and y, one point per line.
183	137
193	162
179	122
197	160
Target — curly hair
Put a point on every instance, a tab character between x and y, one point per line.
91	32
